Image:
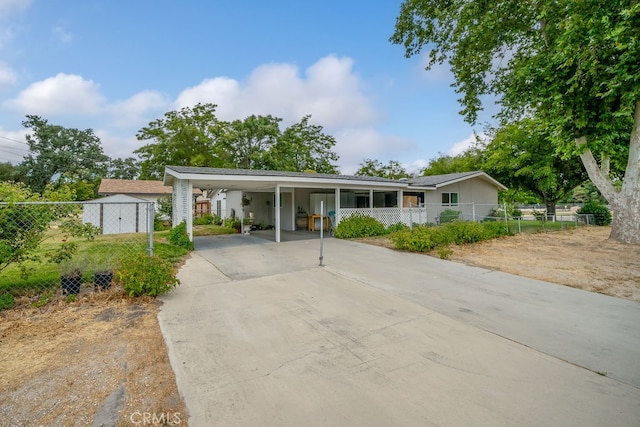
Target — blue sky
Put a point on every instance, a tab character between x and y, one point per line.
114	66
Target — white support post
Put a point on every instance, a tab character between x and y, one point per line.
189	209
401	203
277	208
337	203
371	200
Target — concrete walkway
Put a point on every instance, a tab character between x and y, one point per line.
259	334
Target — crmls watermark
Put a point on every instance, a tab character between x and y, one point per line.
155	419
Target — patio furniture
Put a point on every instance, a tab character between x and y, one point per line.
312	222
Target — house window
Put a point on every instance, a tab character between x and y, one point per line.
449	199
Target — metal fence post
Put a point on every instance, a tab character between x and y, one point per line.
506	218
150	218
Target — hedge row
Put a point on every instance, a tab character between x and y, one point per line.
425	239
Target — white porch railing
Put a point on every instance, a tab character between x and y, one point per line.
425	214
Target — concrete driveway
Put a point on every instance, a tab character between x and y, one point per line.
259	334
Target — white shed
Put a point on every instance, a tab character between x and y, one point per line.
118	214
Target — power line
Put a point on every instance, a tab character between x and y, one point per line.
13	147
13	140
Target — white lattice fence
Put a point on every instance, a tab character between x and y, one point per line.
391	216
386	216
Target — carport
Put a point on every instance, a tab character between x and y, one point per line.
291	189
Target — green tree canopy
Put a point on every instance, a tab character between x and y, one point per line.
572	64
128	168
195	137
182	138
301	147
392	170
10	172
521	156
59	154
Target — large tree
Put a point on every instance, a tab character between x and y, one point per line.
60	154
520	156
573	64
128	168
10	172
247	142
196	137
181	138
392	170
303	147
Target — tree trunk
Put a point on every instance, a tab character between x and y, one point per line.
625	203
625	226
551	209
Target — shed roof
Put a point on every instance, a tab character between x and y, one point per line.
110	186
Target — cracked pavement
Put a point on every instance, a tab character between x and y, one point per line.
259	334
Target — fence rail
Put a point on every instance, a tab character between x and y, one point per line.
41	243
435	214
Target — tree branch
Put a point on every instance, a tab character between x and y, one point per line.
596	174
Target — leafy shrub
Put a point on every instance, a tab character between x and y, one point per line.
426	239
232	223
206	219
539	216
495	229
6	301
420	239
600	212
359	226
515	213
461	232
216	220
160	223
142	274
397	227
449	215
178	236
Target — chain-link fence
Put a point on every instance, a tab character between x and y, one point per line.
517	220
67	246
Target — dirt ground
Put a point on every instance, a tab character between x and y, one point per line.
103	356
582	258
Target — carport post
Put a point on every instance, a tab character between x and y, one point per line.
321	228
277	208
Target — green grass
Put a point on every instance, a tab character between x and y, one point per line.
537	226
212	230
102	253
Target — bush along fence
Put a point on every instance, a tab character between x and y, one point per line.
435	214
72	247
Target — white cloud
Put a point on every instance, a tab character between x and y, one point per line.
62	34
415	166
8	77
13	145
8	6
329	90
117	145
62	94
136	109
461	146
356	144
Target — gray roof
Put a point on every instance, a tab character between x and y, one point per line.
424	182
258	172
437	180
